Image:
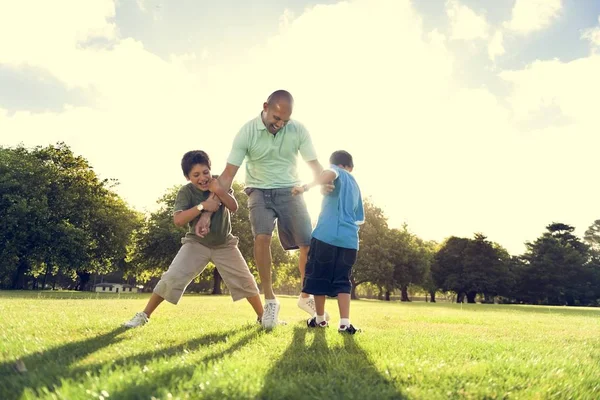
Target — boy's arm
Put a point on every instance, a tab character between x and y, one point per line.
226	179
359	212
326	177
185	210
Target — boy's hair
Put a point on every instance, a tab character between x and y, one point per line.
341	157
192	158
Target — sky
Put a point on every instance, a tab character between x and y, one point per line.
463	116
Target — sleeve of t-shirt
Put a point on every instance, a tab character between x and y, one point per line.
359	211
183	201
239	148
335	169
307	150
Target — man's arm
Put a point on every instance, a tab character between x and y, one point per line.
325	178
226	178
326	187
316	167
223	194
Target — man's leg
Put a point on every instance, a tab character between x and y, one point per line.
302	266
262	255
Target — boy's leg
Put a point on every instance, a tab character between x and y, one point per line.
320	305
237	276
345	259
256	304
190	261
344	305
152	304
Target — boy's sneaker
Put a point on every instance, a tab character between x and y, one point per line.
312	323
349	329
308	304
270	315
138	320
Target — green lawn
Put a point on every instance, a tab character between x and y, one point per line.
208	347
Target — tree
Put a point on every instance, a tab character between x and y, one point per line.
592	236
409	258
372	264
59	217
471	266
557	269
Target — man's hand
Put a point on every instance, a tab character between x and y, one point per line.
327	188
297	190
203	225
214	186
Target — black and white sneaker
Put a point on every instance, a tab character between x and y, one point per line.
312	323
349	329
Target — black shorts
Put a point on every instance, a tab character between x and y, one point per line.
328	269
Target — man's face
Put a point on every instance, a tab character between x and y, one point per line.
276	116
200	176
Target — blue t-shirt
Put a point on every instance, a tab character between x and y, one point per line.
341	212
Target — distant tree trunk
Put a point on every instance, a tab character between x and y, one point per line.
488	298
84	278
387	295
217	282
353	295
460	297
45	277
432	294
19	276
471	297
404	290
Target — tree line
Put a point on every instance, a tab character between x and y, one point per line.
61	224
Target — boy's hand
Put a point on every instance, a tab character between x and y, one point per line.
211	204
297	190
202	227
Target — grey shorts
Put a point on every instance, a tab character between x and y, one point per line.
268	206
191	260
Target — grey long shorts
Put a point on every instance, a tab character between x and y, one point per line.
268	206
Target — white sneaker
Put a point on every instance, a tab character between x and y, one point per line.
270	315
138	320
308	304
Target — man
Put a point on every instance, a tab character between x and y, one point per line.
270	144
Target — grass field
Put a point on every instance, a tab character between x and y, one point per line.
209	347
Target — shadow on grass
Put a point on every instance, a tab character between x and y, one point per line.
46	370
162	382
317	371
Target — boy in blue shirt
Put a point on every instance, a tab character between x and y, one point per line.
334	242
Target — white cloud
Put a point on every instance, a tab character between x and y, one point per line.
593	36
465	24
46	34
533	15
496	46
142	5
443	157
